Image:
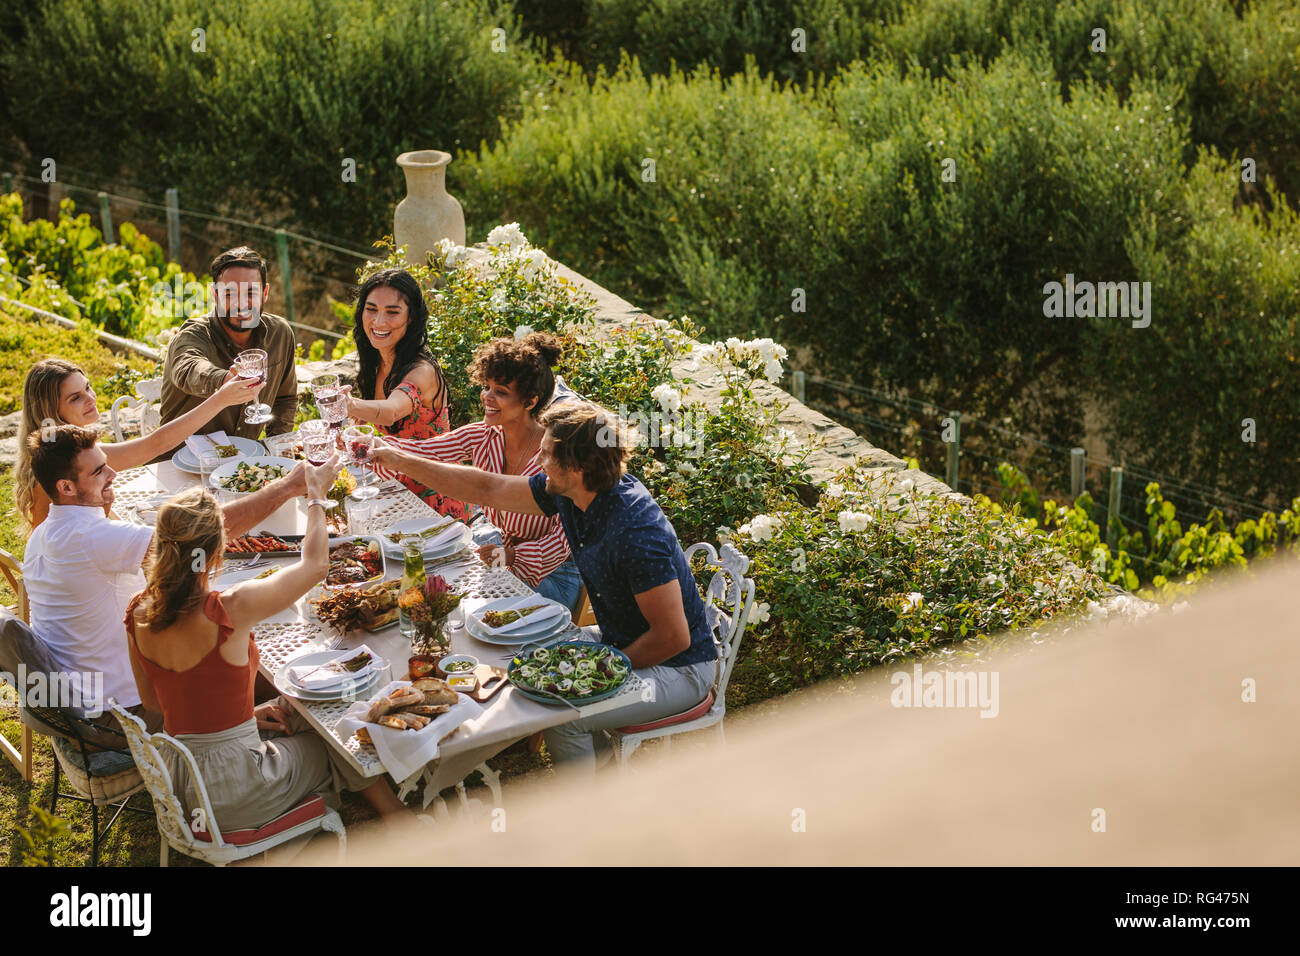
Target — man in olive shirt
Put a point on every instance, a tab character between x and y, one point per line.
203	351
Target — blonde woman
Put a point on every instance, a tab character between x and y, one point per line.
195	660
57	392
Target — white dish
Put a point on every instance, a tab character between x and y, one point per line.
383	561
320	658
184	458
540	630
358	691
448	541
146	511
235	572
223	472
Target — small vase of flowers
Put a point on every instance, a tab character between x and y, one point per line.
424	611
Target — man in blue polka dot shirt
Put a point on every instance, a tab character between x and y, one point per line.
638	580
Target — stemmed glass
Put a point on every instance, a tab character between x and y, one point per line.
251	364
360	443
330	399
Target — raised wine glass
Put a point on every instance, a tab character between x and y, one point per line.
251	364
330	400
360	443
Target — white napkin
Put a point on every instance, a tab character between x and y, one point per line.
447	534
524	623
200	443
403	752
319	676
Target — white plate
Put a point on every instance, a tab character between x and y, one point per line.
222	472
557	626
145	511
377	664
532	632
360	691
233	572
443	544
184	458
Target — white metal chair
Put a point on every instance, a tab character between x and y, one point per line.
728	601
12	572
149	394
202	838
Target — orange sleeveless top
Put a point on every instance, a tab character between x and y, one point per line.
211	696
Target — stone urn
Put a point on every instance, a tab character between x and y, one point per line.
428	213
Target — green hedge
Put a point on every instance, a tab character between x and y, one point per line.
259	124
918	284
24	341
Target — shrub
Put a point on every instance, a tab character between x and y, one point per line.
1164	562
261	121
66	268
27	340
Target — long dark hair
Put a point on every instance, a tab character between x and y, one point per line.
412	348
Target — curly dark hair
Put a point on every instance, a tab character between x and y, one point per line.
413	347
524	364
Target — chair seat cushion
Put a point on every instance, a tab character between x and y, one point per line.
699	710
111	776
308	808
103	763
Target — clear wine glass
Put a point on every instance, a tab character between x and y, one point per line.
330	400
317	448
359	440
251	364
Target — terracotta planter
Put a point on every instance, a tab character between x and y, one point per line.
428	213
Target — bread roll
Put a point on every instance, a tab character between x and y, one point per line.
405	696
413	721
379	708
427	710
435	691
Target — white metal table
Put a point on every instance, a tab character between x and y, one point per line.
506	718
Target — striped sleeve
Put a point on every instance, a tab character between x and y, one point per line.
537	558
455	446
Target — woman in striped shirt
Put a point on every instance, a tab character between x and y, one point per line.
517	385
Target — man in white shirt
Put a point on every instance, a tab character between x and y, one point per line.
81	569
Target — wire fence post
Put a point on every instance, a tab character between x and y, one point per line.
1112	513
954	450
105	217
174	225
798	386
286	279
1078	464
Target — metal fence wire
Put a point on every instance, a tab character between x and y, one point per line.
965	452
326	261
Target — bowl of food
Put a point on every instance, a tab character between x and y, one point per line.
368	607
354	560
247	475
454	664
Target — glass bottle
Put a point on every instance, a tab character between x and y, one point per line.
412	580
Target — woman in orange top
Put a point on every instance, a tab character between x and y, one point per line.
194	659
400	386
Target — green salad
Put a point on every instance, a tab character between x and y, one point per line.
248	477
570	670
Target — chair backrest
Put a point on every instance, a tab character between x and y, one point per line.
47	704
146	748
12	572
728	600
